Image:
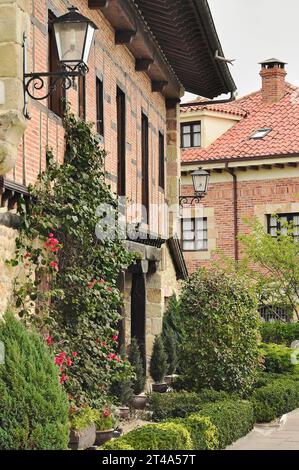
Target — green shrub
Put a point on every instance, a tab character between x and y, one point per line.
275	399
136	361
181	404
33	404
220	347
173	405
83	418
169	344
158	364
279	332
277	358
162	436
117	444
232	418
203	433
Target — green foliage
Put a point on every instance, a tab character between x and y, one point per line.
122	387
277	358
181	404
33	404
232	418
276	265
103	419
203	433
116	444
80	304
83	418
276	398
162	436
279	332
170	347
158	364
137	363
220	349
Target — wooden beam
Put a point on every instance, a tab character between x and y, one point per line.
267	167
124	37
143	65
217	170
172	102
95	4
159	86
242	168
279	165
255	167
293	164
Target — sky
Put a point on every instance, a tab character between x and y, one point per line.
251	31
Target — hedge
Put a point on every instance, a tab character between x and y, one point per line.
275	399
232	418
279	332
181	404
117	444
203	433
277	358
162	436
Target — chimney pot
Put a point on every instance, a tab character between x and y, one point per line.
273	80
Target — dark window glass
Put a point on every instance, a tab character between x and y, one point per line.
100	106
121	142
161	161
270	313
191	134
278	225
145	172
56	101
195	234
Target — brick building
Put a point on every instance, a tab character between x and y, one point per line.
251	149
131	92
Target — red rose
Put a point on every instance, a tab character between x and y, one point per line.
74	354
49	340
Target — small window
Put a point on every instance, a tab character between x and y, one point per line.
277	225
121	142
145	166
161	161
191	134
261	133
271	313
195	234
100	106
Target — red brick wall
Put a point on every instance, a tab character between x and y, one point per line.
117	66
251	194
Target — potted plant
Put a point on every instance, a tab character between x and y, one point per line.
82	428
139	399
104	426
122	388
158	366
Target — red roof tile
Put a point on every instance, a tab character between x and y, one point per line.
282	117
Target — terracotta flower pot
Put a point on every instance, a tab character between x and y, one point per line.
169	379
124	412
104	436
160	388
139	402
82	438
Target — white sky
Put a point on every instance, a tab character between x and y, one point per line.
254	30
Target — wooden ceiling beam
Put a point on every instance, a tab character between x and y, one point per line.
124	37
159	86
143	65
94	4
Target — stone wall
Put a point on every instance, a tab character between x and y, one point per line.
7	246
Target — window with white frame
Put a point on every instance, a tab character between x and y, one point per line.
191	134
195	234
277	224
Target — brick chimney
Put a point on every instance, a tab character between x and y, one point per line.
273	80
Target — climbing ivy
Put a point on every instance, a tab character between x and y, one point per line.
69	289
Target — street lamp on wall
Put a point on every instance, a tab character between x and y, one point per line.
73	34
200	180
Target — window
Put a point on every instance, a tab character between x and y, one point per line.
145	173
82	97
261	133
121	142
270	313
195	234
161	161
100	106
191	134
277	224
56	101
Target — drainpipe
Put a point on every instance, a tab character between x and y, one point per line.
235	209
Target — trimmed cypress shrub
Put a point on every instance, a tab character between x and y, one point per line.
277	358
33	404
203	433
136	361
158	364
279	332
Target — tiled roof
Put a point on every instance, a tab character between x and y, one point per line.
227	108
282	117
